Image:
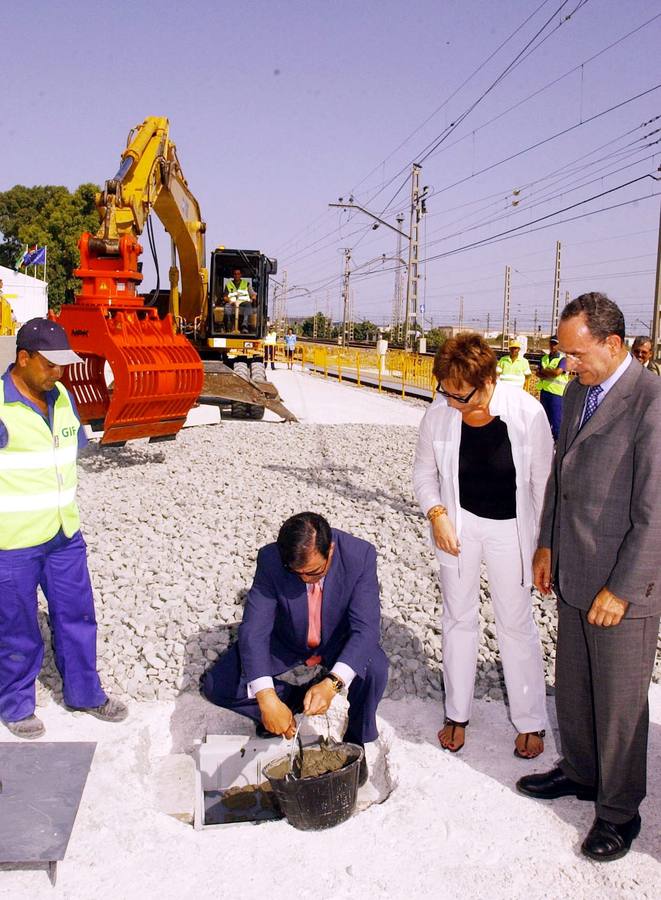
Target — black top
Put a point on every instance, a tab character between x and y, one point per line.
487	478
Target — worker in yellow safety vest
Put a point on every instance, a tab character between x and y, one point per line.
553	380
239	298
512	367
270	341
40	539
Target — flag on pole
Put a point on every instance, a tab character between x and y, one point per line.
38	257
35	257
18	262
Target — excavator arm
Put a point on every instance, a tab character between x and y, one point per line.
150	178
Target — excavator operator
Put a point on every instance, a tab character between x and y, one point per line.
240	300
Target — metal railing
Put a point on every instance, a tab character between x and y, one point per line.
408	374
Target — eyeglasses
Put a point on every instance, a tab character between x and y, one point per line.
454	396
316	573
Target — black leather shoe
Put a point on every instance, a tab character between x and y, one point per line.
608	840
554	784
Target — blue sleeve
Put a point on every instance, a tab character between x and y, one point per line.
563	364
4	437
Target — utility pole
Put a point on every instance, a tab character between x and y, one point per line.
396	323
281	305
656	315
505	337
488	323
314	321
276	300
535	335
417	211
556	289
461	313
345	293
350	330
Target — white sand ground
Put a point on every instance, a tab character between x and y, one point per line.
314	399
453	825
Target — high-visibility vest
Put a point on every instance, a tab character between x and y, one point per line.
514	370
238	294
555	385
38	473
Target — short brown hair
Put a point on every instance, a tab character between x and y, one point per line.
466	357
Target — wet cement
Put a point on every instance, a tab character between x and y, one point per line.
249	795
247	803
316	762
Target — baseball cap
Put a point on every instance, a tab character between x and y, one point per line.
554	339
515	344
48	338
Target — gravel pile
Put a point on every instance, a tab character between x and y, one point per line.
173	532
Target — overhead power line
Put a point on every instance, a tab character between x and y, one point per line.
552	137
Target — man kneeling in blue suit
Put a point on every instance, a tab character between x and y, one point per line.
311	627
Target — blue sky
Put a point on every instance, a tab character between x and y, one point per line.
278	108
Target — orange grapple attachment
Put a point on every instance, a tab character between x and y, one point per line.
157	374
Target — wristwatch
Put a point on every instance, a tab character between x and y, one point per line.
337	683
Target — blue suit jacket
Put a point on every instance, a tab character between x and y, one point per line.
273	633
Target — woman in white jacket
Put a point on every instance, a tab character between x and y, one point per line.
482	460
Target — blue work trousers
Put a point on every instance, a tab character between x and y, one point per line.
60	567
552	404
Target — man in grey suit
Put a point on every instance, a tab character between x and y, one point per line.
599	544
642	350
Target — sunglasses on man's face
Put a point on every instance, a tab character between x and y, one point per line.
454	396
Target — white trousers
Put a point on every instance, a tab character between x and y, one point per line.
496	542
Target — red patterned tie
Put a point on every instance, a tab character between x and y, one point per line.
314	621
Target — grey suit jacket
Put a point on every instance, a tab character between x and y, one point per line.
602	509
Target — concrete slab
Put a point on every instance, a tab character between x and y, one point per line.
175	787
41	789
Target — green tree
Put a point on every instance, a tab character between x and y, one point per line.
365	331
435	338
324	326
51	216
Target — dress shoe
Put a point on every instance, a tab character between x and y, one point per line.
609	840
554	784
28	728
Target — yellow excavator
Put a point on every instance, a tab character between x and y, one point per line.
154	345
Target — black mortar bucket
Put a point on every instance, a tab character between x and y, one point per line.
322	801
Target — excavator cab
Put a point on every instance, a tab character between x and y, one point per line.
238	301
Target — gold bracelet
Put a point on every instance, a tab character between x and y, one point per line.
435	512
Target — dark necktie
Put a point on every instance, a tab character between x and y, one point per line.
592	402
